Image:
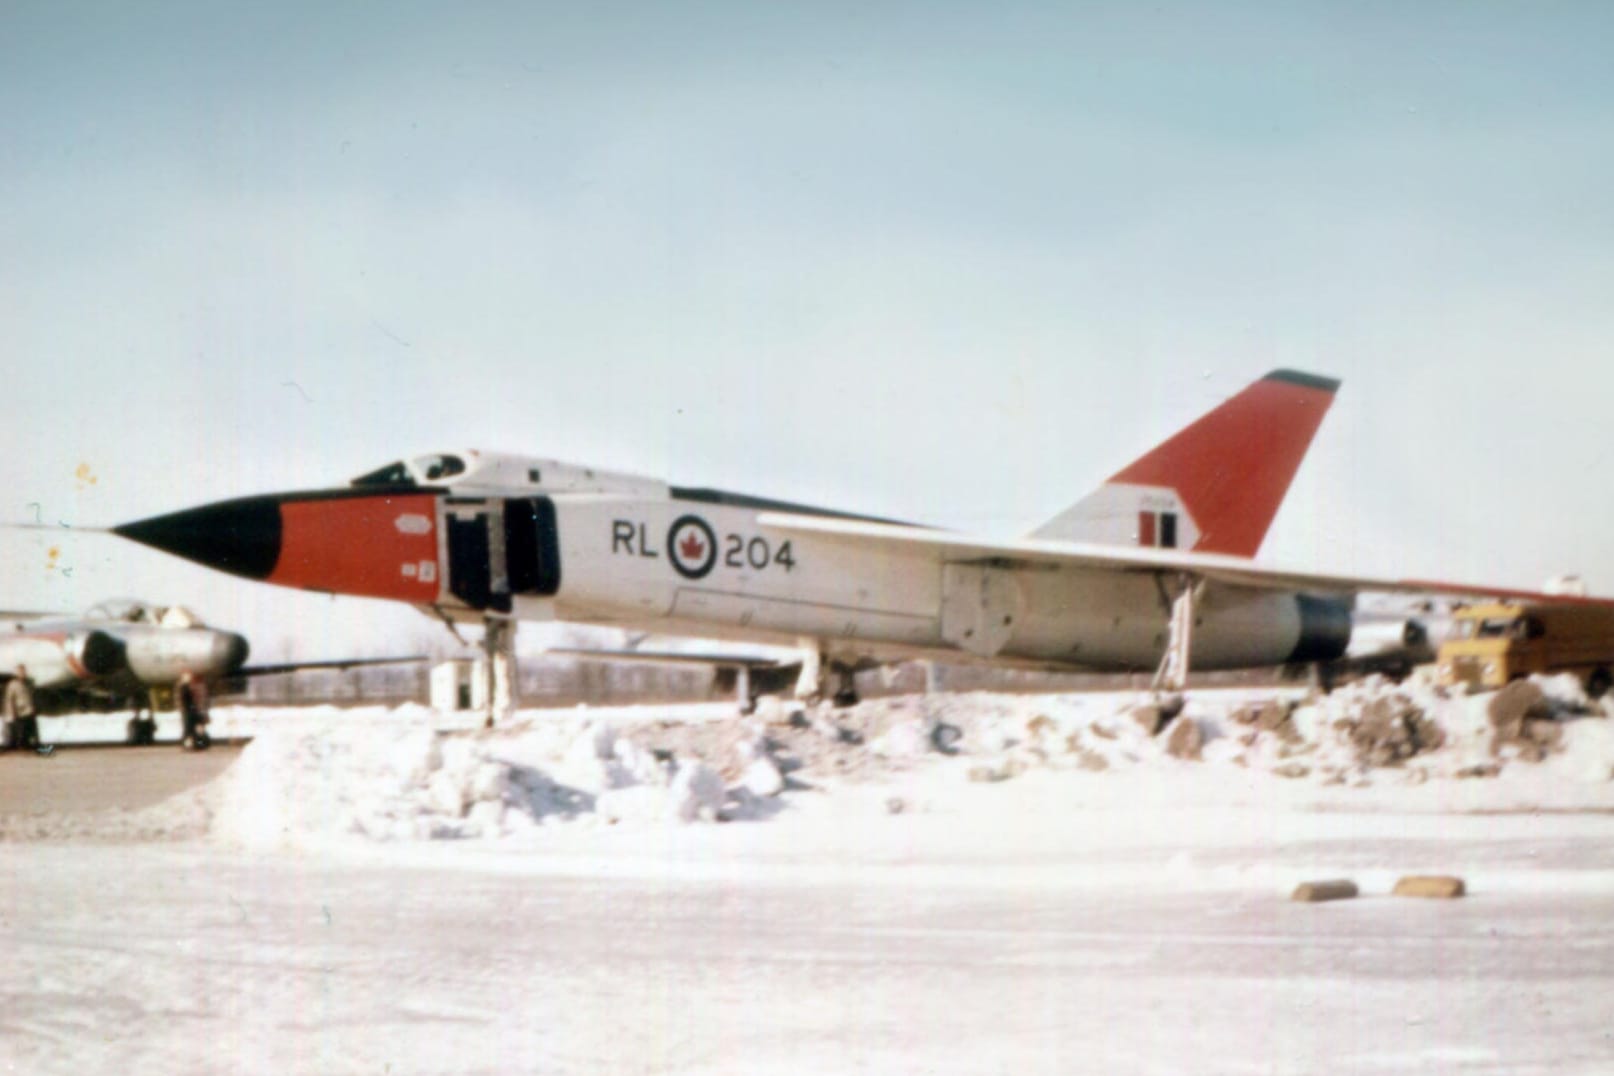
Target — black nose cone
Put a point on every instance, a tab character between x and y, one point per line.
241	537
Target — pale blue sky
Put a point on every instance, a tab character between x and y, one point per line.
946	262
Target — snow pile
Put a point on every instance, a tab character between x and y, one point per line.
390	782
1543	725
382	783
1365	733
694	793
908	739
394	779
636	784
1095	732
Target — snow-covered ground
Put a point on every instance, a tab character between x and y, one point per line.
1068	892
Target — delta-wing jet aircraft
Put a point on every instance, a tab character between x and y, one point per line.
119	651
1151	571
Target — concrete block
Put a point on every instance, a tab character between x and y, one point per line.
1333	889
1435	886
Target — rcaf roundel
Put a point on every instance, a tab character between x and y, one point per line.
692	547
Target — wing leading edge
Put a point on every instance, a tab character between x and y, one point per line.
1234	571
340	664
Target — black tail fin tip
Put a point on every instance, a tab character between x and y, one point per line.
1305	380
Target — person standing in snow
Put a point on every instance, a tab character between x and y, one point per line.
22	719
191	695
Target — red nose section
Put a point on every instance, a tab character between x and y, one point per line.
378	547
368	544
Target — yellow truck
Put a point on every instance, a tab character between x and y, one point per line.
1495	643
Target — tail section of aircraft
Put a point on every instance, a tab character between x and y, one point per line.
1216	485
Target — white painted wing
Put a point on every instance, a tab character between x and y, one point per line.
1236	571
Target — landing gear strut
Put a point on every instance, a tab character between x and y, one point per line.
499	654
813	684
1171	679
810	682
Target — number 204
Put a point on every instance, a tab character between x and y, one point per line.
755	553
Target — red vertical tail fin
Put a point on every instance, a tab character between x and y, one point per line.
1216	485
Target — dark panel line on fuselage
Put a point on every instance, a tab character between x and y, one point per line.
725	499
836	607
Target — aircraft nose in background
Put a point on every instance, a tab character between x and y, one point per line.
231	651
97	653
241	537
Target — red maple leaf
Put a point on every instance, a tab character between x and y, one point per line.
691	548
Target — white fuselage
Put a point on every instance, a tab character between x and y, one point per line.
617	569
637	553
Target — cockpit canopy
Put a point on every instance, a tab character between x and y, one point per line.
433	468
132	611
499	473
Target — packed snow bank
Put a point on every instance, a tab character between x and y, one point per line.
381	783
1540	744
1370	745
390	782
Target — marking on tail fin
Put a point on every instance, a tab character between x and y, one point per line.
1157	530
1215	485
1151	517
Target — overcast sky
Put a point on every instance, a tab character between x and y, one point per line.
954	263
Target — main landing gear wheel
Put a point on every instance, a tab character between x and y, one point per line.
141	731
